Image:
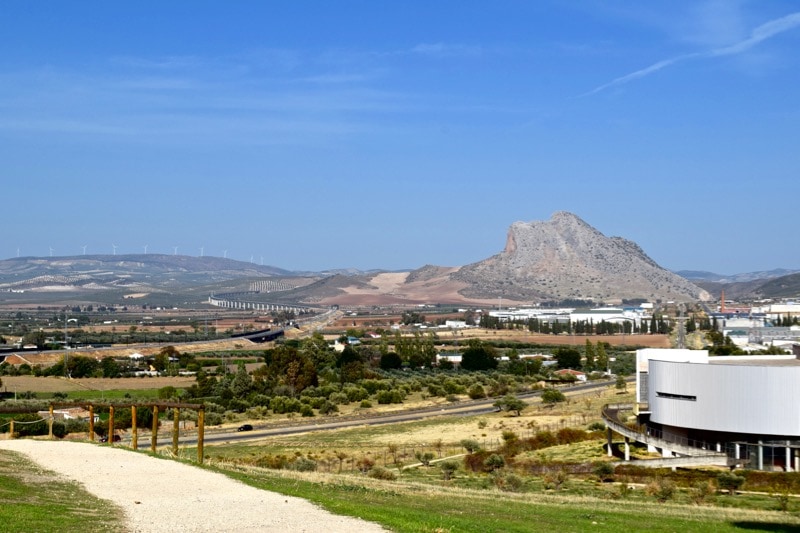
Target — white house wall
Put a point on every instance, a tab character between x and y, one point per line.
729	398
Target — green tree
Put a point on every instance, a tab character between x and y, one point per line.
511	403
412	317
448	467
390	361
39	338
551	396
602	357
242	382
494	462
110	367
478	356
318	350
568	358
287	366
589	356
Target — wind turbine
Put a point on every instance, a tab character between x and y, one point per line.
224	254
84	249
51	251
17	251
201	251
174	250
145	249
114	249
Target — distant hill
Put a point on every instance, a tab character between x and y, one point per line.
700	275
109	278
560	259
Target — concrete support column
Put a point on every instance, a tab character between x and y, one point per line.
608	441
736	451
760	455
788	457
627	449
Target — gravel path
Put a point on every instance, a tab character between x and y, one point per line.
160	495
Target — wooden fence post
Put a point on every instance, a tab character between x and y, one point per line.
176	417
111	426
201	424
134	429
154	437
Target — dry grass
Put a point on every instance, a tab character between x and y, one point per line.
52	384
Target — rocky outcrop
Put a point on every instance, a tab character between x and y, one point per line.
566	258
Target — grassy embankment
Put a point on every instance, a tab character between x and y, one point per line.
34	499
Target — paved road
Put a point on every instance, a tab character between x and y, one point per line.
472	408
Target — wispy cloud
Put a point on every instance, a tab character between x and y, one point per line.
446	50
758	35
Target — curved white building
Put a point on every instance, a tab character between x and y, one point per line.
744	405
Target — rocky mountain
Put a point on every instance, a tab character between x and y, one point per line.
567	259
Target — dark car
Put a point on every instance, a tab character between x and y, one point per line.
245	427
104	438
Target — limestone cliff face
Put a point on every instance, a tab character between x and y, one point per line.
566	258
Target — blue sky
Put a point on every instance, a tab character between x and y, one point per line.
315	135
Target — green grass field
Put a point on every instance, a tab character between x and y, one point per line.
417	507
35	500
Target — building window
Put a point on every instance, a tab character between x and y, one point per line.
670	396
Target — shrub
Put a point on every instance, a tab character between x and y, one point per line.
604	471
365	404
380	472
661	489
424	457
474	461
494	462
272	461
390	396
306	410
703	492
477	392
303	464
365	464
436	390
213	419
356	394
448	469
339	398
327	408
507	482
471	445
555	480
730	482
570	435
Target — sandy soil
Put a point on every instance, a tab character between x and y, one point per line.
159	495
